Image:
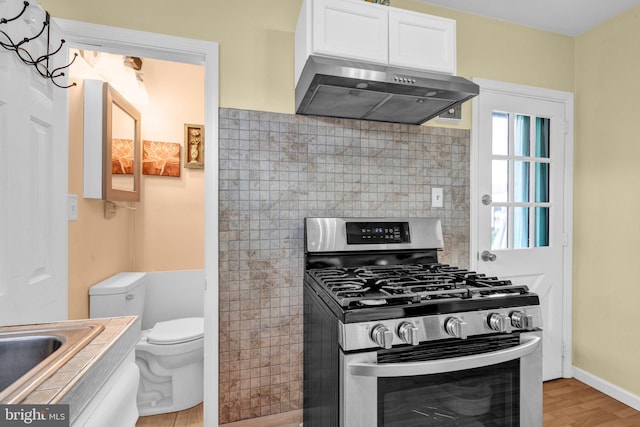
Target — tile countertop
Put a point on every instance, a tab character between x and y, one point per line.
77	381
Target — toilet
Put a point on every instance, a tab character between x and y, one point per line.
170	354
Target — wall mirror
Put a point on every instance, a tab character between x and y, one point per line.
112	145
121	169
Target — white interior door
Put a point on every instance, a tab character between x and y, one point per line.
520	204
33	177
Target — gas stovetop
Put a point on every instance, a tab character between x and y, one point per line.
387	268
357	294
368	286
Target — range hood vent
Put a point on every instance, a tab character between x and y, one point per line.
337	88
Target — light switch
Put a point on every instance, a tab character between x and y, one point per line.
437	198
72	207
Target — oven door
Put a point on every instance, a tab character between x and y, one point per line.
482	381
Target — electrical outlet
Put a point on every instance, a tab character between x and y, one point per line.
437	196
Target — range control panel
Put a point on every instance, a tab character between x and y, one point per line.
367	233
416	330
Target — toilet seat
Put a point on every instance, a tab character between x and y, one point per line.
176	331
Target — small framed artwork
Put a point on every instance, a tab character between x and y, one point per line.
193	146
161	158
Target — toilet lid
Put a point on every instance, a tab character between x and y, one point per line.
177	331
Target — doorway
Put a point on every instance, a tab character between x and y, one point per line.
521	198
87	36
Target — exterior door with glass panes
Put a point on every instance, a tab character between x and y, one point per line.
520	200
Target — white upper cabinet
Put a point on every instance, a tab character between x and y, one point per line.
350	30
368	32
422	41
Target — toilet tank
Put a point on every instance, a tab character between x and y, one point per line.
120	295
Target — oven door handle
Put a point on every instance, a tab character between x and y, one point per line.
406	369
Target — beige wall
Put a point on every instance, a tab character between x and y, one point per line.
170	216
255	37
606	341
165	232
601	67
97	247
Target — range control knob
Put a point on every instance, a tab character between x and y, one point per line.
456	327
408	333
382	336
521	320
498	322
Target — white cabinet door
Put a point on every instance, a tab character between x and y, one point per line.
422	41
350	29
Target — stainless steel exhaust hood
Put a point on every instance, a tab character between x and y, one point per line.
338	88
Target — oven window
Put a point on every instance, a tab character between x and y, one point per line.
488	396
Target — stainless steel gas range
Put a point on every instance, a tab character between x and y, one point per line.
394	338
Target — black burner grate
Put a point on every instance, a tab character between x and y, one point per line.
408	283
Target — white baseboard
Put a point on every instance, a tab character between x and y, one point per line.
607	388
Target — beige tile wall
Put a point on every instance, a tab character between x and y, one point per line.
276	169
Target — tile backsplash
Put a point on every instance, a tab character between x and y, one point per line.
275	170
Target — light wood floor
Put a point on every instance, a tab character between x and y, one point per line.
567	403
188	418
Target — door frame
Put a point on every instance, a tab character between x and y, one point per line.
83	35
565	98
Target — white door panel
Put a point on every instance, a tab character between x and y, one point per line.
33	172
519	209
550	296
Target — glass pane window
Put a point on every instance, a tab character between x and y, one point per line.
500	181
499	231
520	208
522	136
542	182
520	227
500	135
520	181
542	227
542	137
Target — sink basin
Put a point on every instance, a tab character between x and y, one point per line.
20	354
29	356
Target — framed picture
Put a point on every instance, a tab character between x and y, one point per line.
161	158
193	146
